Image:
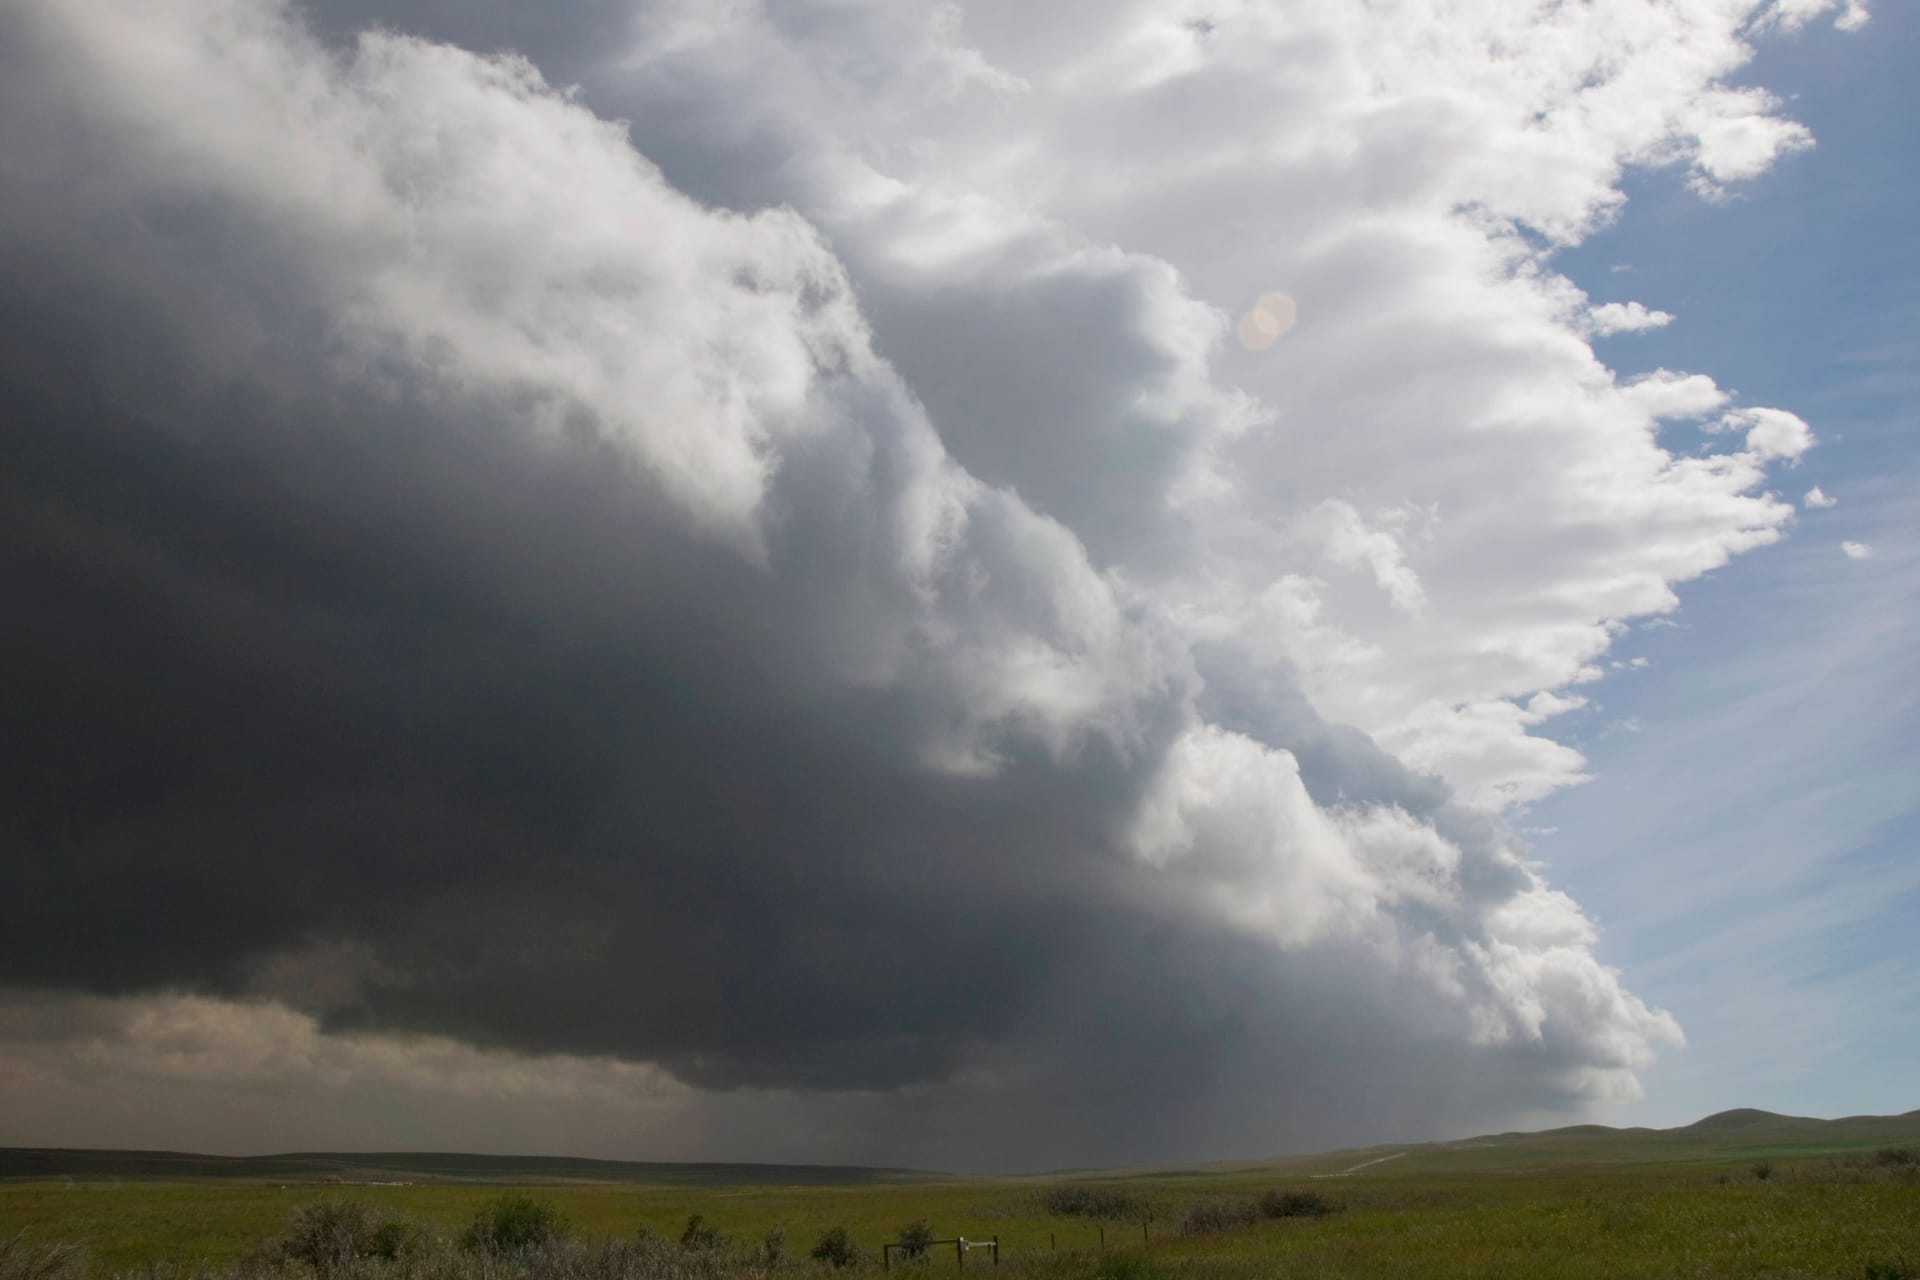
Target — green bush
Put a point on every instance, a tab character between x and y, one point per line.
513	1224
1897	1156
1295	1204
1131	1266
773	1250
331	1235
836	1248
1763	1171
1206	1217
1091	1202
701	1234
20	1260
916	1238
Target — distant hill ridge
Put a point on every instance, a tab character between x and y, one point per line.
1742	1133
1737	1118
18	1163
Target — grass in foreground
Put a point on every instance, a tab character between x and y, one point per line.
1856	1217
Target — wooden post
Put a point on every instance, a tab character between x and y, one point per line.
1053	1242
960	1253
1103	1238
996	1251
1143	1229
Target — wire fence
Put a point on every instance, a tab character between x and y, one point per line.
929	1251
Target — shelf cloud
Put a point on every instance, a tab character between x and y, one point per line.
898	581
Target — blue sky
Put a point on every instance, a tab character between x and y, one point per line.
1752	849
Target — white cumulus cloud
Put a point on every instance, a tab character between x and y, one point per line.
1626	317
1769	433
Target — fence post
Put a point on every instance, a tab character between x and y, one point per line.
1103	1238
1143	1229
960	1253
996	1251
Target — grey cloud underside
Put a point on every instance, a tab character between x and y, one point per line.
284	683
564	37
311	666
429	689
467	702
341	685
300	661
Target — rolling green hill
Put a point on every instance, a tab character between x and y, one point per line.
1743	1134
1740	1134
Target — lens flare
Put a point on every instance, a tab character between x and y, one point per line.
1268	320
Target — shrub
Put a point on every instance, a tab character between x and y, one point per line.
1131	1266
22	1261
1295	1204
1897	1156
331	1235
701	1234
916	1238
1091	1202
836	1247
513	1224
1763	1171
773	1250
1206	1217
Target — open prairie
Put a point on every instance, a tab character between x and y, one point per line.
1741	1194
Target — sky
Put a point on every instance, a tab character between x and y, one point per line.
973	585
1788	698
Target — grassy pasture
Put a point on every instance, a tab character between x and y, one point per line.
1809	1219
1575	1203
125	1224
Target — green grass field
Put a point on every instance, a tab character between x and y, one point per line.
1575	1203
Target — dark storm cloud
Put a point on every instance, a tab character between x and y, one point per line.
564	37
450	595
309	665
426	688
